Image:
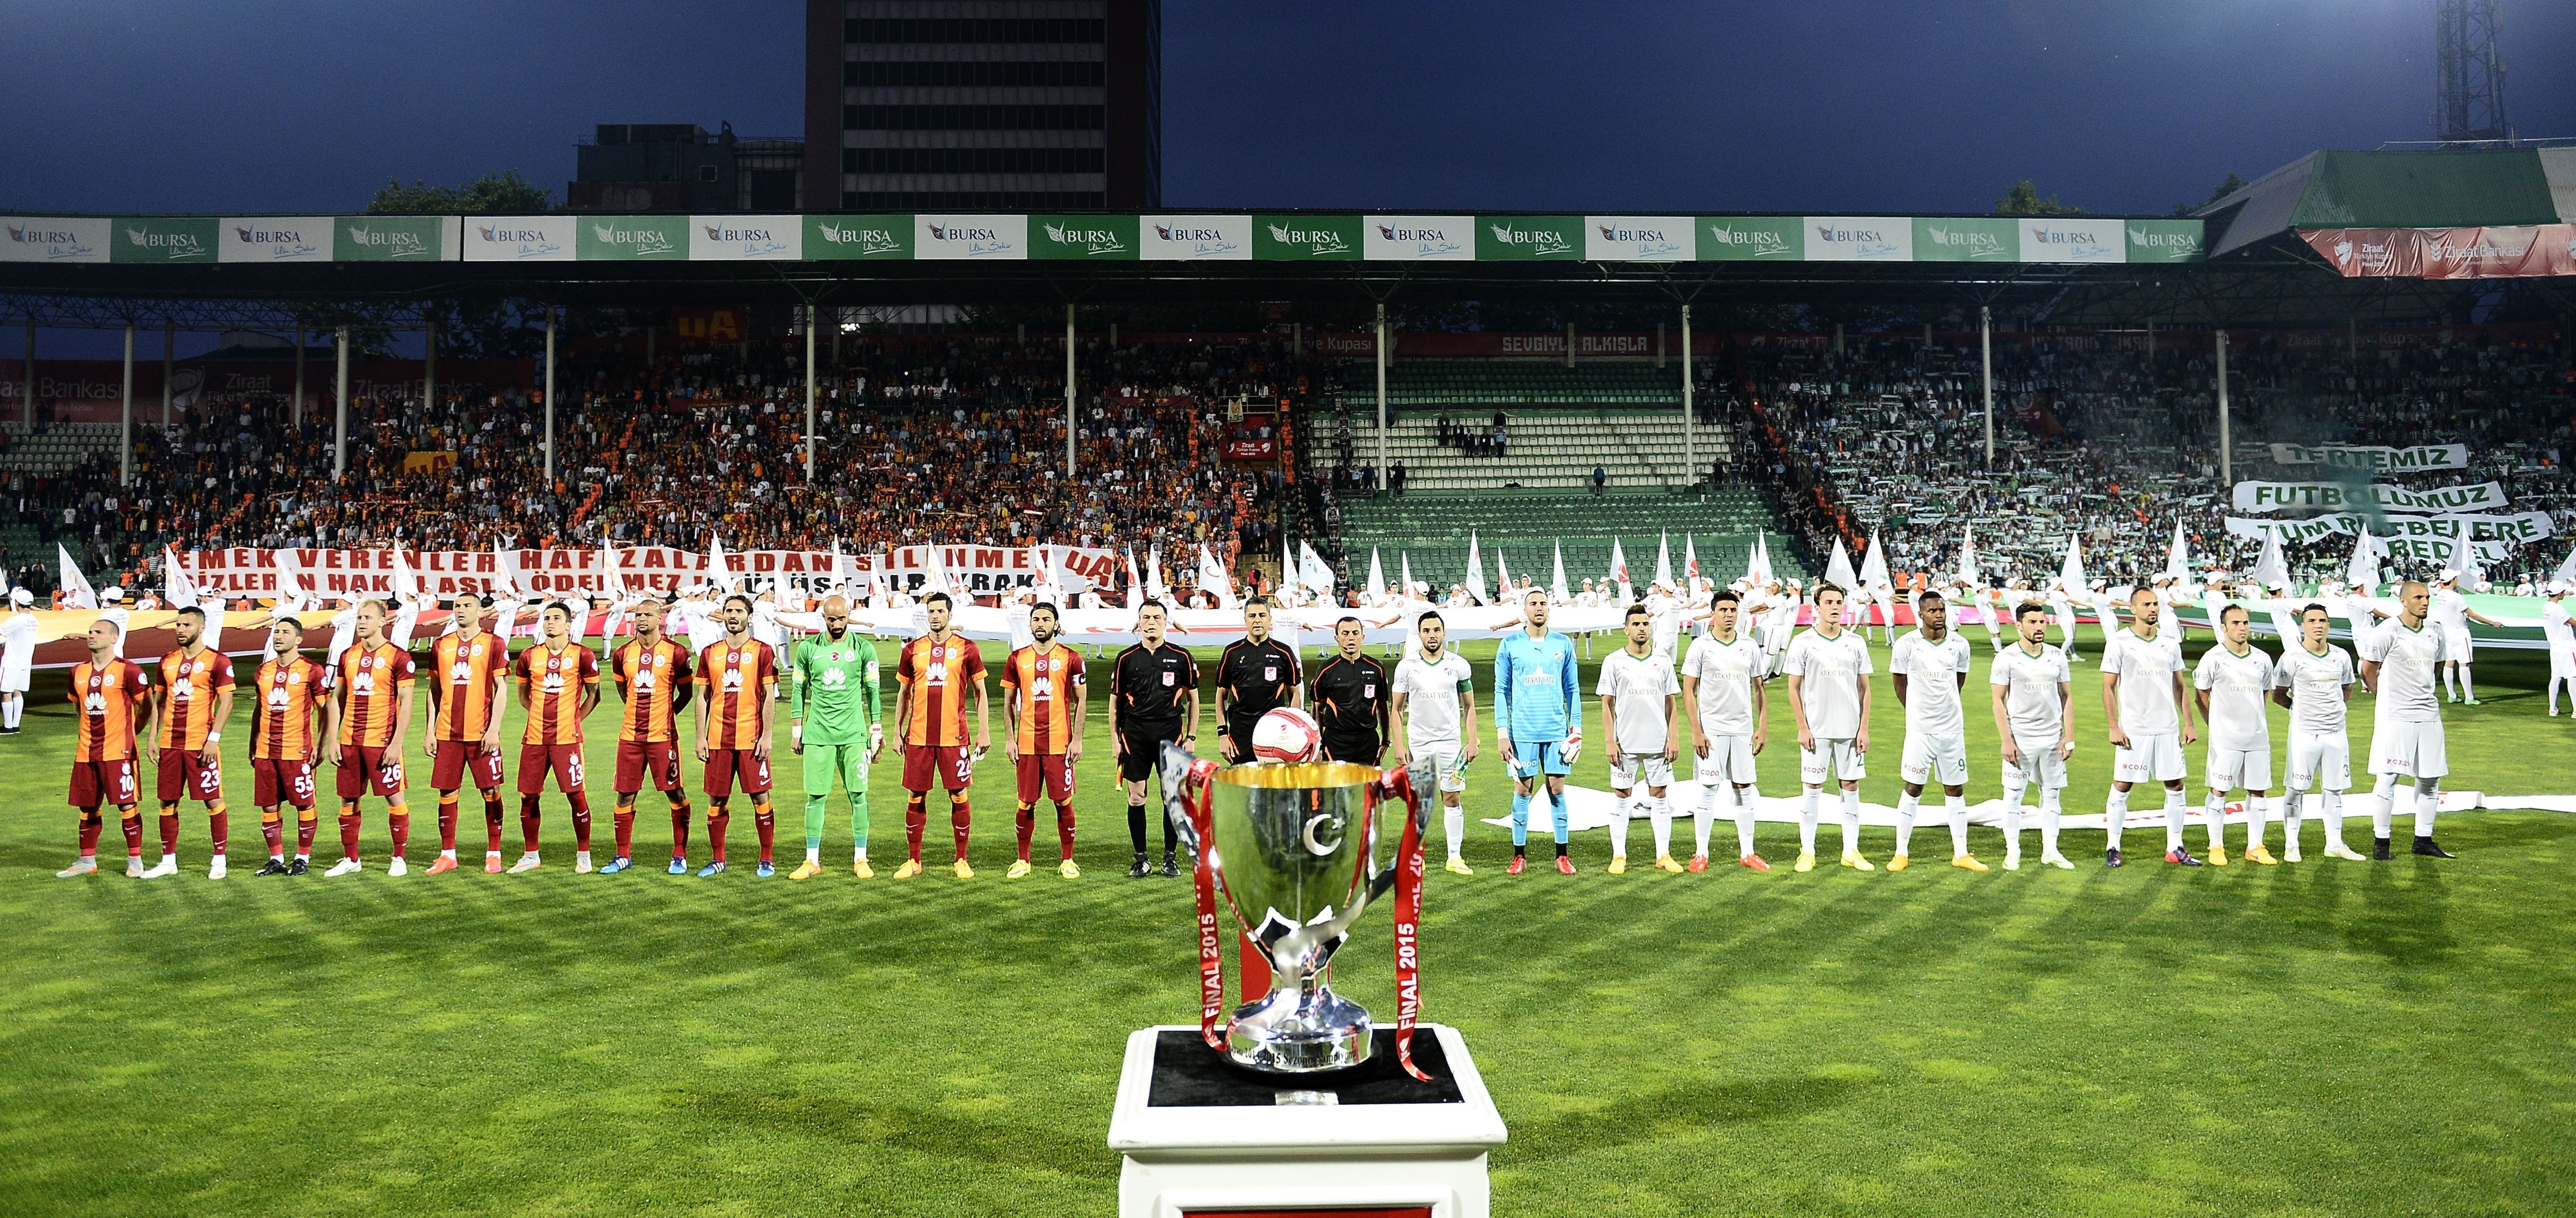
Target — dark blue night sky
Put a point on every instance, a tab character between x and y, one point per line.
290	107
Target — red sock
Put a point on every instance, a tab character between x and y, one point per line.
447	822
960	819
716	819
349	834
913	820
305	822
90	824
169	829
1064	829
581	821
219	825
274	832
492	822
625	821
400	824
529	818
1028	823
766	824
132	823
680	831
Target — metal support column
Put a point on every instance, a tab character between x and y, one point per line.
1381	390
1690	434
1072	424
169	366
811	316
125	418
429	367
2226	453
340	395
1986	371
550	398
27	382
298	406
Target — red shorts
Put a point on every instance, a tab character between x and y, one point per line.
276	778
949	765
452	762
113	780
724	764
1049	771
637	759
364	769
185	775
535	760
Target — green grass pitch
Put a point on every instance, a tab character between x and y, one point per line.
2325	1038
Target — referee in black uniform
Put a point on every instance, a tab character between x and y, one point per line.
1153	698
1350	697
1256	675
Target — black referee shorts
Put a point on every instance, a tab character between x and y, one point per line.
1148	740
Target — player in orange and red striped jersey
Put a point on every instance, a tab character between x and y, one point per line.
933	674
735	679
652	676
1043	693
365	720
115	701
193	701
286	700
558	685
466	672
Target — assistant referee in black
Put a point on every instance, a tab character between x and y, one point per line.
1257	674
1350	697
1153	699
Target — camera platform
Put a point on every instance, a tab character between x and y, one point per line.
1203	1136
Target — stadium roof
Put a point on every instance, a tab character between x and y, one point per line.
2446	188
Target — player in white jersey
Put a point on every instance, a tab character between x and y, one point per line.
2559	633
1640	705
2450	613
1435	696
1930	667
2398	660
2033	694
2314	679
1828	669
2142	695
2232	681
1722	696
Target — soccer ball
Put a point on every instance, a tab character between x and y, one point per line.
1286	734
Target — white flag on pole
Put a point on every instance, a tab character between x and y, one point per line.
2363	573
2271	568
1155	589
1556	580
1212	577
2178	560
719	572
1968	573
1404	571
1377	575
1476	571
1619	572
1502	576
1314	572
176	587
1690	563
1135	582
2566	570
77	594
1664	559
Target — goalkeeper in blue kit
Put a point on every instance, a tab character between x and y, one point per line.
1538	722
833	709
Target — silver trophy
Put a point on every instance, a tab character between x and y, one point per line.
1298	852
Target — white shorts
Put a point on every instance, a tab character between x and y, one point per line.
1934	758
2562	665
1652	767
2409	750
2459	643
2155	758
2040	765
13	680
1831	759
2230	769
1438	765
2315	757
1730	759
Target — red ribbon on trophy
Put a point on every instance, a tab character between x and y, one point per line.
1213	1021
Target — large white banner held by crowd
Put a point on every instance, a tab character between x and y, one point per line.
2374	457
332	573
2424	538
2339	496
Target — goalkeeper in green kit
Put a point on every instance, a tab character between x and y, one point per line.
833	682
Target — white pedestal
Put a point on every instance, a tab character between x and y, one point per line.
1355	1158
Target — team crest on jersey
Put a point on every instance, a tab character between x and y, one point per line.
1369	690
1270	672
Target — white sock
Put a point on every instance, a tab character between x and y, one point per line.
859	854
2274	808
10	710
1619	824
1905	807
2451	679
1807	820
2333	818
1957	807
1659	817
1851	821
2468	684
1706	813
2554	683
2214	810
814	855
1744	797
2115	811
2013	788
449	855
2428	804
1453	822
2383	805
2049	815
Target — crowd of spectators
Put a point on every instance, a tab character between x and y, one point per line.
2100	441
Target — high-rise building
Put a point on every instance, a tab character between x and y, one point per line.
983	105
678	167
